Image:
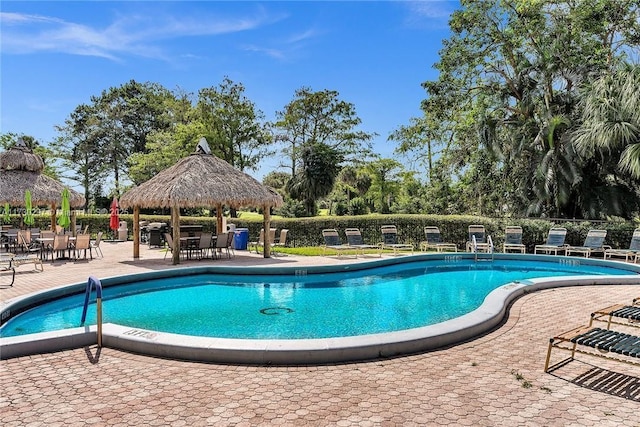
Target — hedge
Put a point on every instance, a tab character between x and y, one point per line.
308	231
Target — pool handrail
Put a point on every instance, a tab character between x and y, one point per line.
94	282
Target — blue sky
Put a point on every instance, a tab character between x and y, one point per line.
55	55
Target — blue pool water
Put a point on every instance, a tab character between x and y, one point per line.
376	300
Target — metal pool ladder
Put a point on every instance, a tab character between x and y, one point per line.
489	254
94	282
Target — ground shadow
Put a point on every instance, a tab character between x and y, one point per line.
604	381
93	358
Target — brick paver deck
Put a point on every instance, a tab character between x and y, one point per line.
494	380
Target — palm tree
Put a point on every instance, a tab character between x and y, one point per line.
611	119
315	179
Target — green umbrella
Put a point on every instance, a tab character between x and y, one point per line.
65	216
28	215
5	216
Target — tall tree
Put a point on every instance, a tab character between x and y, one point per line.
318	128
319	118
77	146
385	182
234	127
127	115
508	85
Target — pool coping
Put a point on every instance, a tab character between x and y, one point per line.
301	351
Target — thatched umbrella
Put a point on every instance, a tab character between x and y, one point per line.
21	170
199	180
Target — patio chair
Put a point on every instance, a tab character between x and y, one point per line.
47	234
332	241
434	241
169	239
222	244
355	240
204	245
35	233
59	246
513	240
32	253
230	247
12	239
95	245
24	239
594	242
281	243
478	241
390	240
633	253
257	243
554	243
83	243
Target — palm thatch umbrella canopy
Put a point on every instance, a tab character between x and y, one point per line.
199	180
21	170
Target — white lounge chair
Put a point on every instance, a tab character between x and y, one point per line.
434	241
631	254
513	240
390	240
332	241
355	240
554	243
594	242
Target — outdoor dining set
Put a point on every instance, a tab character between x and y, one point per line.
202	245
35	245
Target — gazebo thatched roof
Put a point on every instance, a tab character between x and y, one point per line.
45	191
201	180
21	170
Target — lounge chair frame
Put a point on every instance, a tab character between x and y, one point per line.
6	264
612	345
281	243
594	242
554	242
332	241
434	241
618	314
390	240
631	254
481	242
354	240
513	240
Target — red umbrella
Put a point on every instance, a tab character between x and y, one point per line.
114	221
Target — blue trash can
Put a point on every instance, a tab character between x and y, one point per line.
241	239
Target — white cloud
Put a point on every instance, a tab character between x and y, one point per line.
135	35
273	53
430	12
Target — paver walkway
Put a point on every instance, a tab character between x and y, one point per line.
495	380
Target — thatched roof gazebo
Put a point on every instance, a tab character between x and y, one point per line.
21	170
199	180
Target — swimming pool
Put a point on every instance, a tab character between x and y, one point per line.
304	309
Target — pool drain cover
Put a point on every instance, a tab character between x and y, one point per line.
271	311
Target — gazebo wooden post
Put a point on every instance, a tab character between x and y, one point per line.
267	231
136	232
53	217
73	223
219	220
175	223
